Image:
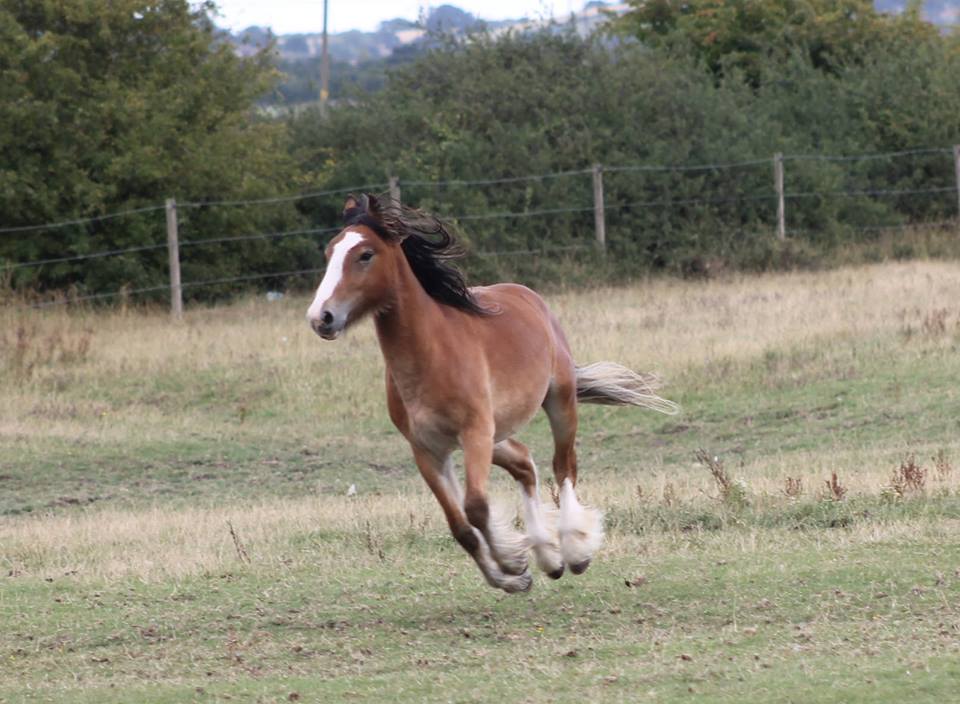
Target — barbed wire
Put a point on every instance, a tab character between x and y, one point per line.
692	201
693	167
191	204
253	277
184	243
166	287
495	181
626	168
260	236
541	212
82	257
282	199
80	221
544	250
612	206
497	253
931	225
99	296
519	214
866	157
870	193
495	215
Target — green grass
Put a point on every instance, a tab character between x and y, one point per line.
790	618
119	473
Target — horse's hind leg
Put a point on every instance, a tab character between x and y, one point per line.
540	520
439	476
580	528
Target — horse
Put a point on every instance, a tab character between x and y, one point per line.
468	368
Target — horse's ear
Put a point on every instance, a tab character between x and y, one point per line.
354	207
373	206
367	210
350	203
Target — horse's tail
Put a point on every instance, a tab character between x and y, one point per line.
613	384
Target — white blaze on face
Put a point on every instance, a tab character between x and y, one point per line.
334	272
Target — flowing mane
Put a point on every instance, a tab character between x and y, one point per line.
427	245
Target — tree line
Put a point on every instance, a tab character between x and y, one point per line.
113	106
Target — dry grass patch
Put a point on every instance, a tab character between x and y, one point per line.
170	543
163	542
670	324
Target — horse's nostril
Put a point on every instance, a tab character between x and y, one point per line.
327	318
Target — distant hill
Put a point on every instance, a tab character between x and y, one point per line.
360	60
355	47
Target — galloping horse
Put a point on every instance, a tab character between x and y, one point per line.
468	368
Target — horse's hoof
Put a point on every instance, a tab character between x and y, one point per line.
580	567
520	583
556	574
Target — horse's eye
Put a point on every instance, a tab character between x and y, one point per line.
366	256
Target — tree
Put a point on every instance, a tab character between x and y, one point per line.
491	110
115	105
543	104
751	36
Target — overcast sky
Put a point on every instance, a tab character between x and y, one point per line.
291	16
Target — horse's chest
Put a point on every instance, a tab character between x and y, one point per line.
427	423
433	429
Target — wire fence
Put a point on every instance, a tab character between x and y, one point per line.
759	185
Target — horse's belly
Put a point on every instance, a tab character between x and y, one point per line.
513	411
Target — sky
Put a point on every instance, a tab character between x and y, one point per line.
293	16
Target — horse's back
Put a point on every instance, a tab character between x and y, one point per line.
525	305
517	312
511	297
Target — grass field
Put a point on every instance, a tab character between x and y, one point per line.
175	525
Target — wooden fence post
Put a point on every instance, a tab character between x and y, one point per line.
173	249
781	203
956	166
599	222
395	190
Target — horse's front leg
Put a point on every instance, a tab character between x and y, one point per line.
507	546
437	471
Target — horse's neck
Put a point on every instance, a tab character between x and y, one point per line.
409	328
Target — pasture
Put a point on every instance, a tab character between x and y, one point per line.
175	523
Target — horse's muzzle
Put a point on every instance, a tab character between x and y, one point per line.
327	326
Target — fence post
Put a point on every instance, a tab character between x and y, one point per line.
956	166
395	190
781	204
599	221
173	249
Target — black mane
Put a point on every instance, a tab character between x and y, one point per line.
427	245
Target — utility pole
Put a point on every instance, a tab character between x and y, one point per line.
324	67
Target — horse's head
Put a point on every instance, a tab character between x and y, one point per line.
359	270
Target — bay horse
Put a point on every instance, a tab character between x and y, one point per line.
468	368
